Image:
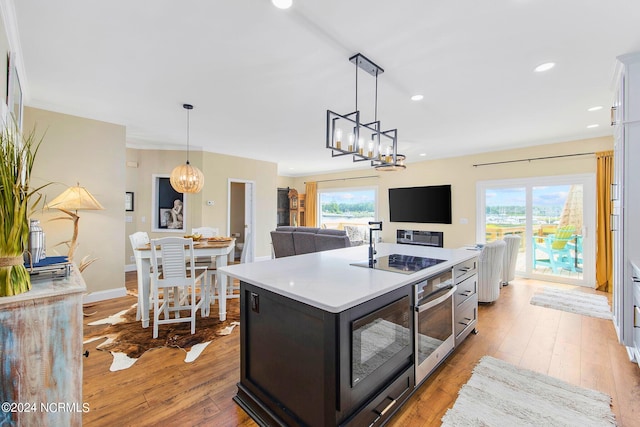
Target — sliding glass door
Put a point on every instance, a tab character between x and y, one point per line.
555	218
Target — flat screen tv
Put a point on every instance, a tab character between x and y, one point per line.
430	204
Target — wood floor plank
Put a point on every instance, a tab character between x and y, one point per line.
538	357
161	389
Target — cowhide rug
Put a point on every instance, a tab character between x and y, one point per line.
127	340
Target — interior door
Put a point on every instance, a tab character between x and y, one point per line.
241	217
249	235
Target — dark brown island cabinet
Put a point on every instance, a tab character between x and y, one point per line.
347	345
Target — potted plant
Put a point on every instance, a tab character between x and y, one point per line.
17	155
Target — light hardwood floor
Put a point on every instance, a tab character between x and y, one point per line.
160	389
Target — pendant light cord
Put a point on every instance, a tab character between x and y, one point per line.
187	107
187	136
375	113
356	84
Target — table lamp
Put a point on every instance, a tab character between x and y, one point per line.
70	202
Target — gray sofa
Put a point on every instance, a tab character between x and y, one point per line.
289	241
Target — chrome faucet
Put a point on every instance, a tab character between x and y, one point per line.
372	246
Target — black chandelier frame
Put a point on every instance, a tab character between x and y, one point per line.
364	133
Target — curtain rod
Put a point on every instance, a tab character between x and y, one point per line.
534	158
345	179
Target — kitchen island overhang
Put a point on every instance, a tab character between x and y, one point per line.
327	280
300	318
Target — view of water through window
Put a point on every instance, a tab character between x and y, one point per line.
556	225
347	207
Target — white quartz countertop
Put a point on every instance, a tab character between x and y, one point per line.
326	280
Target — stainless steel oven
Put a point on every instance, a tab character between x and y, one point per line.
434	322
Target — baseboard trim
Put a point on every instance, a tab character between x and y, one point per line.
104	295
129	267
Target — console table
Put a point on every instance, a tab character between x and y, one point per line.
41	348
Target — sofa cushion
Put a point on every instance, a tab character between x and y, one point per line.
288	241
332	232
325	242
282	243
304	243
313	230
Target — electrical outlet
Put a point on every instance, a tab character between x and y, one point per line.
132	259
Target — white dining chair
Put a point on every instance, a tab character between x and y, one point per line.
209	262
138	240
243	259
177	282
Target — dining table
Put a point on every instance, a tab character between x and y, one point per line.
222	250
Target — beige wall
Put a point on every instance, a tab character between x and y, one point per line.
286	181
92	153
218	170
142	165
463	176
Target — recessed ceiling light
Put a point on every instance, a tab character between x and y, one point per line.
422	154
282	4
596	108
592	126
544	67
417	97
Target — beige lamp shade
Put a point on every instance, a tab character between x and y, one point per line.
74	199
187	179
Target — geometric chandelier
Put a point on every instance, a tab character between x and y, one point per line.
347	135
186	178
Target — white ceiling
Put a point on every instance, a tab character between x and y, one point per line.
261	78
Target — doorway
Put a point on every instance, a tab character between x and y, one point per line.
241	217
555	218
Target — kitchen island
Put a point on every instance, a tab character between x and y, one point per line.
325	342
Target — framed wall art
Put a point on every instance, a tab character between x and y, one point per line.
14	92
168	206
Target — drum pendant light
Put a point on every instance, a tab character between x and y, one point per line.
186	178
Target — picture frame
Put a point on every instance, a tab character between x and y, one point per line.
14	92
168	207
128	201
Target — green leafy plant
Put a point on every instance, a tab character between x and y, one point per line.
17	202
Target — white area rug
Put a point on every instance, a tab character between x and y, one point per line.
500	394
574	302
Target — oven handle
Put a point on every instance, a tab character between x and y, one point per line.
436	301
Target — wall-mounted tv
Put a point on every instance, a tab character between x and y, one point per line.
429	204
